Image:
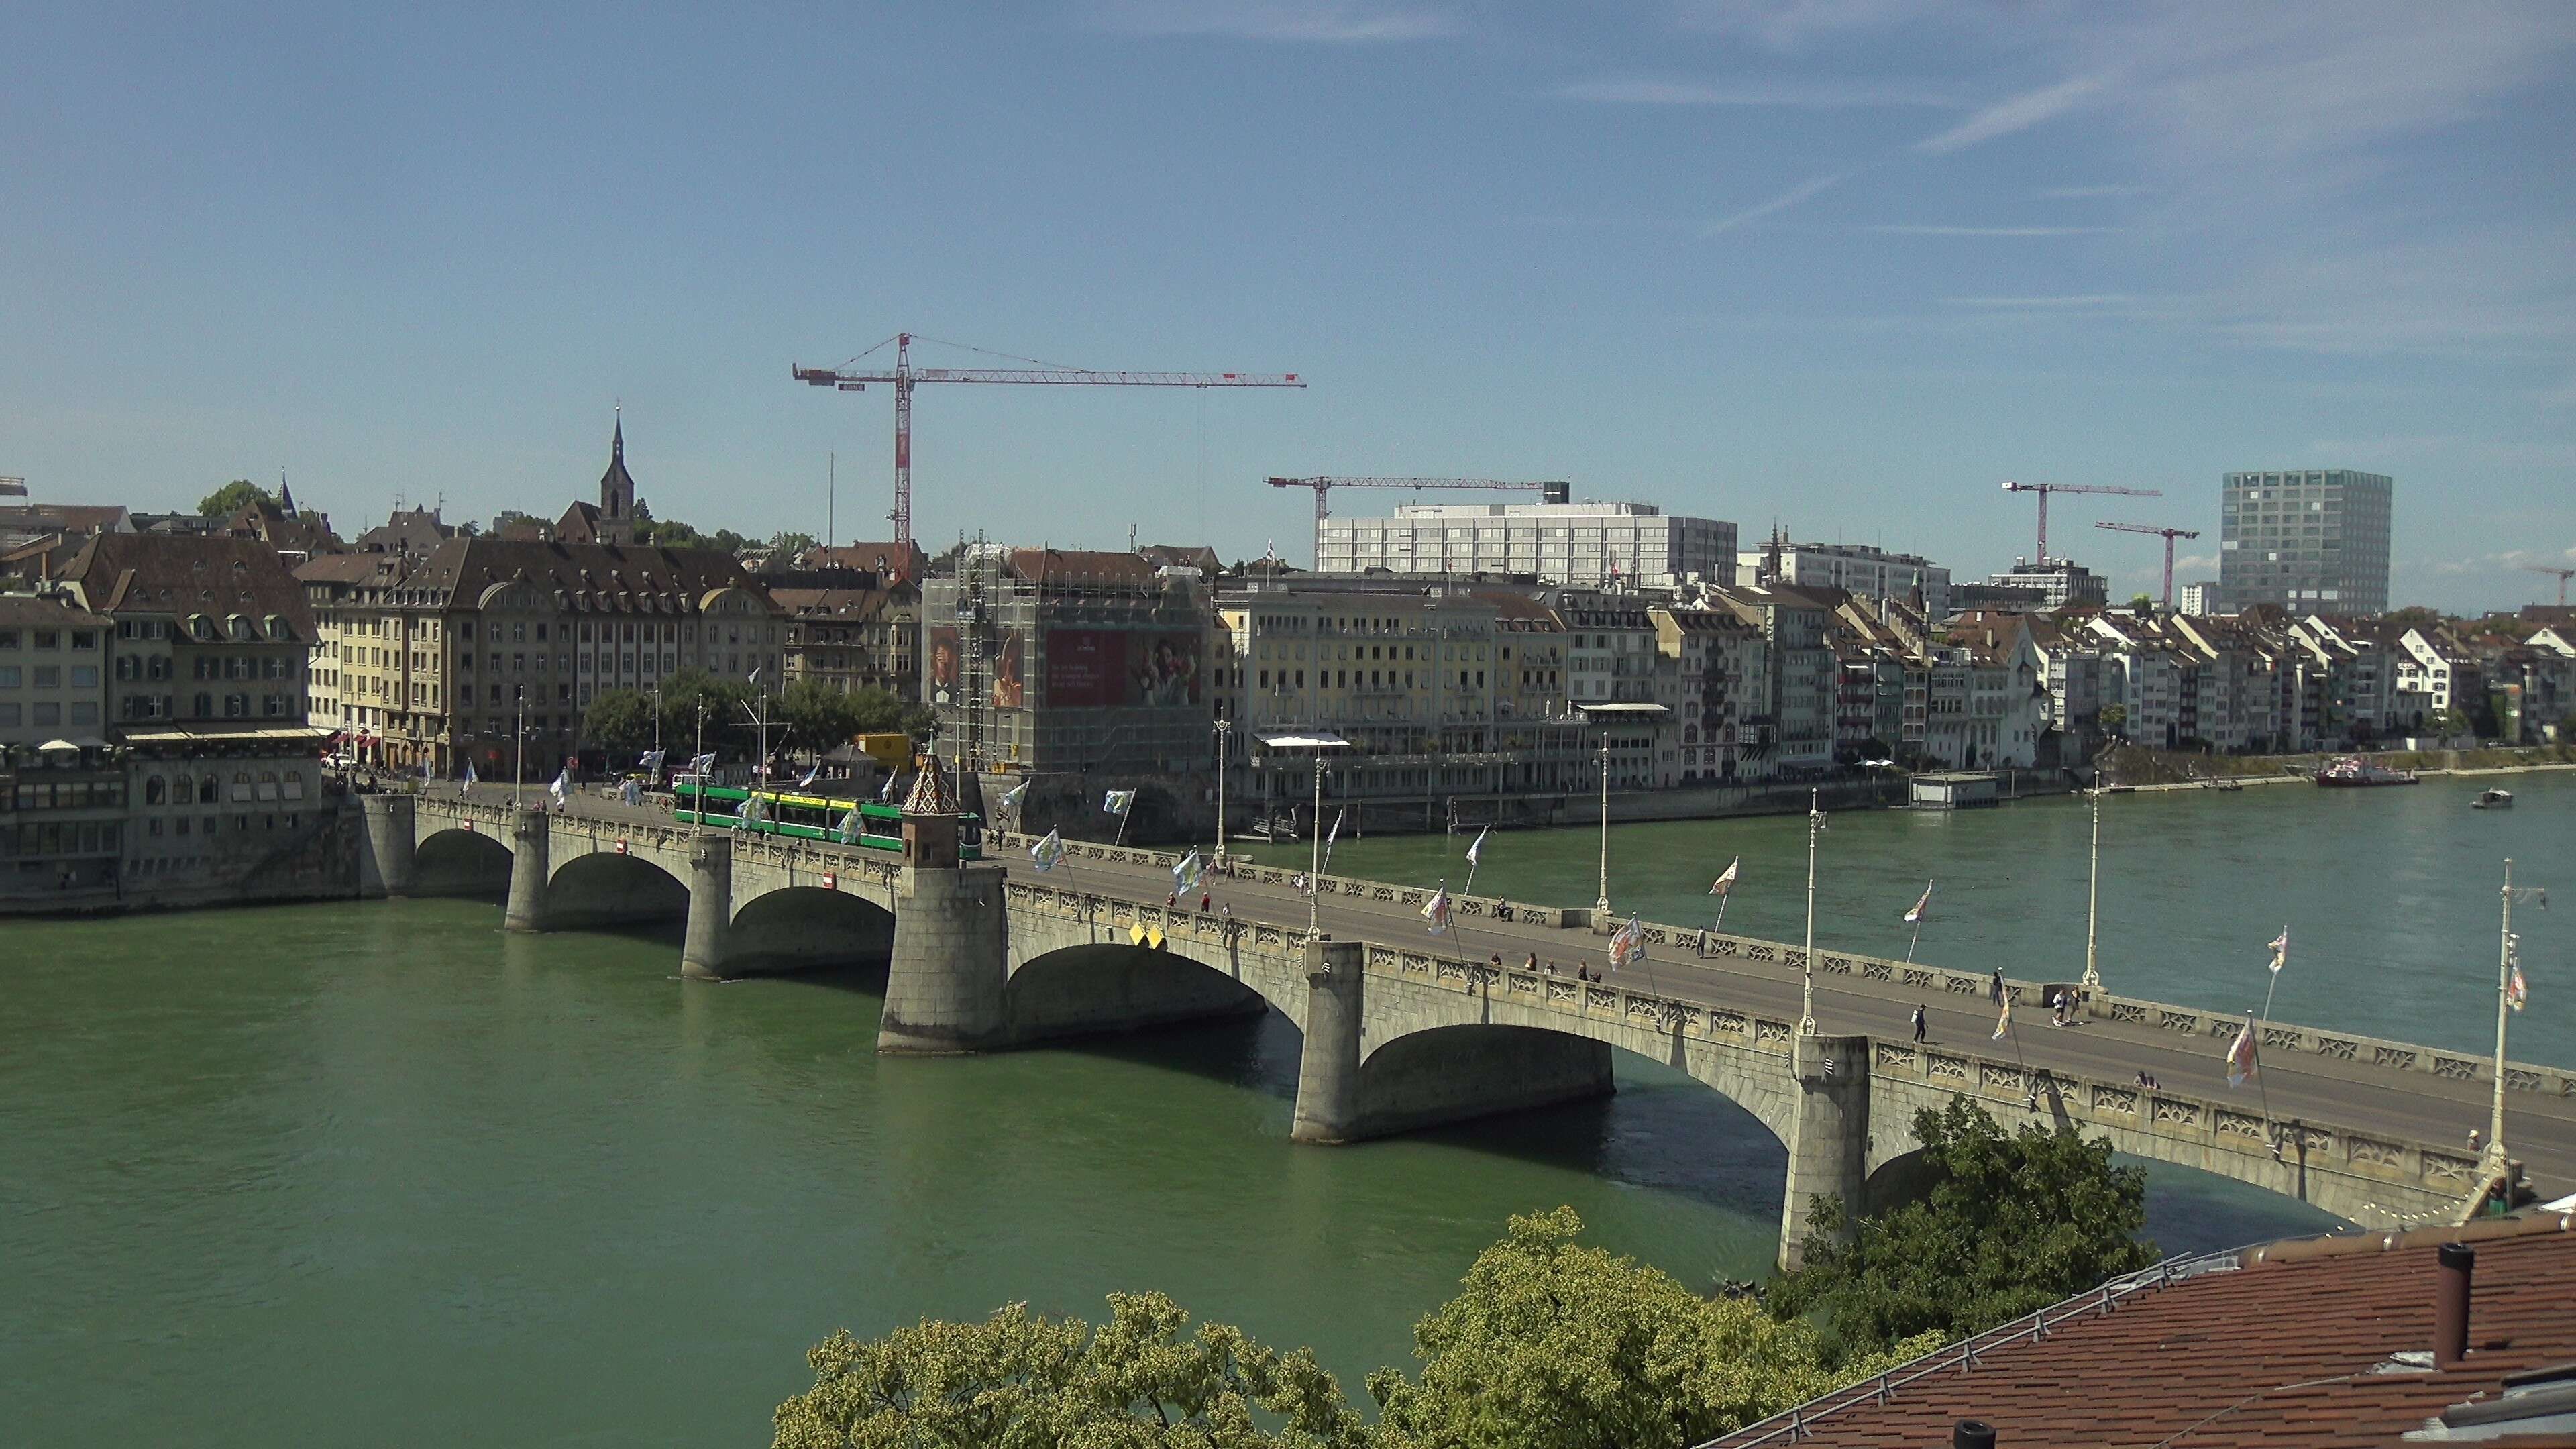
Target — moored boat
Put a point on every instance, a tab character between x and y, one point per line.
2492	800
2353	771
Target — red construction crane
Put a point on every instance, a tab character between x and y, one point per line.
2044	489
848	378
1556	492
2563	576
2170	534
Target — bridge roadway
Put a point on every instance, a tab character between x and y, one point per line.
2419	1116
2540	1130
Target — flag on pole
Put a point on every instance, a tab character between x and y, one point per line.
651	763
1331	835
2003	1020
849	828
1185	875
631	793
701	764
885	794
1118	802
751	812
2280	950
1476	852
1048	851
1436	909
1018	793
1915	915
468	782
1627	944
2516	991
2240	1054
1725	882
811	775
559	789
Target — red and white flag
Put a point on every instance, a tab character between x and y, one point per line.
1436	910
1916	914
2280	950
1725	882
2240	1055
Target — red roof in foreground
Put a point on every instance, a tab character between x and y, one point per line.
2289	1350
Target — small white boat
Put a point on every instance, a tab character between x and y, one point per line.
2493	800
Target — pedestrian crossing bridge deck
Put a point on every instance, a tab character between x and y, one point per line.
1404	1029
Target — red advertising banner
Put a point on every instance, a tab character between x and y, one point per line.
1116	669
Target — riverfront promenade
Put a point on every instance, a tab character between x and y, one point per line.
2362	1097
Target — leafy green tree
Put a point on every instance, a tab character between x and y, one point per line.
822	717
788	543
502	520
232	498
2114	718
2009	1224
694	694
2447	722
1556	1345
619	720
2141	603
1019	1380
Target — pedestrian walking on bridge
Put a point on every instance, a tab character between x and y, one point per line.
1918	1024
1995	995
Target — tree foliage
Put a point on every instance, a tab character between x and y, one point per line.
672	533
1554	1345
232	498
1019	1380
2009	1224
619	720
694	696
2114	717
787	543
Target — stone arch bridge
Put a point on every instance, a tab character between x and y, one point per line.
1395	1038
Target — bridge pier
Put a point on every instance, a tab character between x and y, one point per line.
530	839
945	979
1828	1137
1328	1069
710	929
387	847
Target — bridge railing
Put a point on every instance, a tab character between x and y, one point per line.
2219	1029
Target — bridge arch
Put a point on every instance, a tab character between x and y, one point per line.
460	863
607	888
1102	987
799	926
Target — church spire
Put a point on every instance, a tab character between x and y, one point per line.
617	489
617	437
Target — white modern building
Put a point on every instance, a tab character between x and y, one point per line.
2305	541
2199	600
1580	545
1855	568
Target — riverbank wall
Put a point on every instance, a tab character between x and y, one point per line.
263	858
2137	768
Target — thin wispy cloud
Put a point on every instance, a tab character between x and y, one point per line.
1822	94
2019	113
1782	202
1330	22
2087	193
2081	301
1910	229
1791	24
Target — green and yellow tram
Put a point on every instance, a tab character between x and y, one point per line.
807	817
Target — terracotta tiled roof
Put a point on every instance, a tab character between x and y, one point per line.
1052	565
610	577
848	605
30	611
885	560
2294	1350
183	574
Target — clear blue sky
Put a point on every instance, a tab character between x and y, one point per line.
1843	263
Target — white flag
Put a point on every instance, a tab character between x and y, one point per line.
468	781
1185	875
811	775
1916	914
1017	793
1476	852
1331	835
885	795
1048	851
1436	909
558	788
2281	950
849	831
1725	882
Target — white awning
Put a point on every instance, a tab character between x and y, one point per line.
1630	711
1305	742
50	747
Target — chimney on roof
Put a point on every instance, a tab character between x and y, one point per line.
1972	1434
2451	1303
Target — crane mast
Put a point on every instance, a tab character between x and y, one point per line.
2170	534
2562	575
2044	489
903	377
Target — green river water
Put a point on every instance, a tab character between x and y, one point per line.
378	1173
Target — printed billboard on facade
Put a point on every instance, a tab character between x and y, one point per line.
948	665
1118	669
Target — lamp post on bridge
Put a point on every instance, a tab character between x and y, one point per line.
2093	904
1224	765
1601	901
2492	1164
1807	960
1315	828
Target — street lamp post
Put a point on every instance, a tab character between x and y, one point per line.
1224	764
1315	830
2093	907
2491	1166
1807	961
518	742
1601	901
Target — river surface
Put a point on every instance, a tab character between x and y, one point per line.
378	1173
2390	895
